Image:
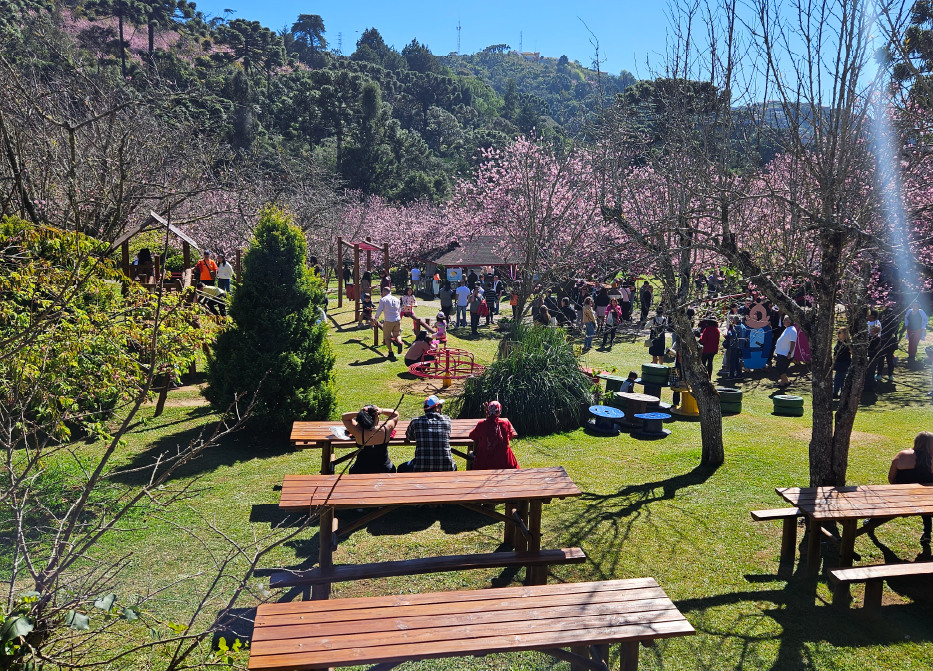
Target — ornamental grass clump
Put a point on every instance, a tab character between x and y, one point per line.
538	380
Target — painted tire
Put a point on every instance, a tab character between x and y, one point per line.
731	408
789	412
722	389
785	401
655	369
655	379
734	396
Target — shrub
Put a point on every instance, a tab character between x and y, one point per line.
278	337
538	380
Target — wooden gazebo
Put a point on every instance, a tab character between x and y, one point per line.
356	247
152	223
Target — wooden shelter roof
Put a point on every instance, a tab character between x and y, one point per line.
480	250
152	223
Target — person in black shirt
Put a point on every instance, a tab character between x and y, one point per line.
646	297
874	345
471	280
842	357
567	315
372	438
889	326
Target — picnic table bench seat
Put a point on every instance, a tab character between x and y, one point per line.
445	564
874	577
788	534
386	631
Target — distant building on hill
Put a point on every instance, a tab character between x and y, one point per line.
534	56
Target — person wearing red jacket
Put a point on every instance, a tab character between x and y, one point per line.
491	437
709	339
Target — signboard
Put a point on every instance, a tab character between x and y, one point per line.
454	274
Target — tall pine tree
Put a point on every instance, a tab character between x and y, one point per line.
278	341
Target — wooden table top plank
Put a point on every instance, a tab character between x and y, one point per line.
429	636
482	646
459	597
413	622
862	501
415	488
545	471
862	573
468	609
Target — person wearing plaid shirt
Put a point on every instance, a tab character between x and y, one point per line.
431	435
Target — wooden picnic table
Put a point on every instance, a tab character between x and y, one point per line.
318	435
877	504
388	630
523	491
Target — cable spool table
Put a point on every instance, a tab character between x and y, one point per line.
613	382
653	427
635	403
654	389
604	420
688	404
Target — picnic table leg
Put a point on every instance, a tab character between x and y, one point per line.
535	575
521	543
510	536
841	594
813	548
327	456
321	592
582	651
788	545
628	656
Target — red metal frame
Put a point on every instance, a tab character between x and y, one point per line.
454	364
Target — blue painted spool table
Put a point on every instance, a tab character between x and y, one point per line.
604	420
652	426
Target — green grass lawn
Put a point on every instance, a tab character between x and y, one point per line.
647	510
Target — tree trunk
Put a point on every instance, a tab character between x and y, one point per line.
151	45
703	390
122	49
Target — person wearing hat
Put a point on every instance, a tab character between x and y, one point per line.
206	270
491	437
440	327
431	435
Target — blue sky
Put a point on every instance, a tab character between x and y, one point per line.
628	32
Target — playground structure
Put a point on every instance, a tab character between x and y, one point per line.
447	365
356	248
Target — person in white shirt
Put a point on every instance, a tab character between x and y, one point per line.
874	321
224	272
463	300
415	278
391	308
915	320
784	350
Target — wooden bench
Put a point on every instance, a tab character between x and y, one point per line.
874	577
788	534
349	572
388	630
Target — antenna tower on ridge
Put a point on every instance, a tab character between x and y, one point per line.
340	43
519	41
458	37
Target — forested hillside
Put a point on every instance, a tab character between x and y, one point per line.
398	123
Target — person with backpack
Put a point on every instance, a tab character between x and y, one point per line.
476	301
916	322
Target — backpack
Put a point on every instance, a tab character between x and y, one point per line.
483	309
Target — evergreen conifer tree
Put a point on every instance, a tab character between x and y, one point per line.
278	337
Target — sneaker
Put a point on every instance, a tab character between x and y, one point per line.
391	355
890	378
399	347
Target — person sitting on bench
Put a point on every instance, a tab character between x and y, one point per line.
915	466
371	438
431	435
491	439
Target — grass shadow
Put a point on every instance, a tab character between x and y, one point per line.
241	446
620	510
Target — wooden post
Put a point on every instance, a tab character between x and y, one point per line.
369	255
339	272
326	553
126	258
356	281
163	394
628	656
813	548
788	545
327	456
238	266
385	256
841	594
375	336
186	254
